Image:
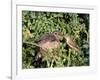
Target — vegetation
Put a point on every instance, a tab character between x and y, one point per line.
36	24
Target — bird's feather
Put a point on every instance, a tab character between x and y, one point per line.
72	44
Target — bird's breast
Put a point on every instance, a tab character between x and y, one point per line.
49	45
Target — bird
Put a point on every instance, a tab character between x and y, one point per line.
49	41
71	43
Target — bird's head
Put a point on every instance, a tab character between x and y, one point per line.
57	34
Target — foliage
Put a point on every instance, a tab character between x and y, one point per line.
36	24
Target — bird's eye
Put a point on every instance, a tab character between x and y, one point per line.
55	32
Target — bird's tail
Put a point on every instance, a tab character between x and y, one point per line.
77	50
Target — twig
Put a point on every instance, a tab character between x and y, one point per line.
68	64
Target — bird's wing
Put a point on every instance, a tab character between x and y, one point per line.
73	45
43	38
53	38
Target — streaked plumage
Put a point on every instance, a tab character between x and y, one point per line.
49	41
71	43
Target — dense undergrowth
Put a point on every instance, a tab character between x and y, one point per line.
36	24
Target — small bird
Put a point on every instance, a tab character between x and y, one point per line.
49	40
71	43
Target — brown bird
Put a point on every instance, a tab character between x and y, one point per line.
49	41
71	43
